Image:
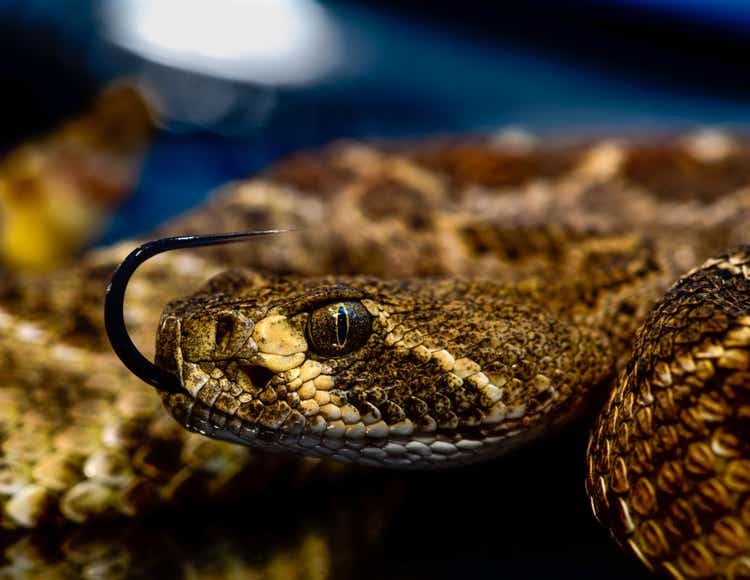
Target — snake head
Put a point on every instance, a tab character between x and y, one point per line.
401	373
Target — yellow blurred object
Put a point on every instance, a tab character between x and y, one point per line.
57	193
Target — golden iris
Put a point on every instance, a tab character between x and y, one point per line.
338	328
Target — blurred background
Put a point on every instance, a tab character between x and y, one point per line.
238	83
229	86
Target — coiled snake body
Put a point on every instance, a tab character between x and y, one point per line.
440	305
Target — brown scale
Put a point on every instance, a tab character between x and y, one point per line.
506	331
479	163
667	467
673	173
576	227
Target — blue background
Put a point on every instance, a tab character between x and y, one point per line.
553	67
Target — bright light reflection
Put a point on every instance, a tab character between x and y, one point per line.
264	41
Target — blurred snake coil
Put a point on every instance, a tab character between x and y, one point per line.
444	301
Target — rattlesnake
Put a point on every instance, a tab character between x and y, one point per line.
579	240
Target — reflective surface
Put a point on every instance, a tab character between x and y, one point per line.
520	517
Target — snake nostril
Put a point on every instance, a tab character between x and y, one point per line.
224	329
233	333
259	376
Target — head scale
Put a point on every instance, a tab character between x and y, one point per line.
401	373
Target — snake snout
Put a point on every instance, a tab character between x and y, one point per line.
192	346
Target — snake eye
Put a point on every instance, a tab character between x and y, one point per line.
338	328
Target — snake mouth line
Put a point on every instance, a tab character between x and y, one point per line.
439	451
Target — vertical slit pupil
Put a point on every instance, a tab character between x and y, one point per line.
342	324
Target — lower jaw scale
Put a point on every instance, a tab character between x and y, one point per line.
428	451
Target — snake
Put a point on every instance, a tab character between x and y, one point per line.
439	304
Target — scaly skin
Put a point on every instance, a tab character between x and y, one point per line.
449	371
585	237
669	468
